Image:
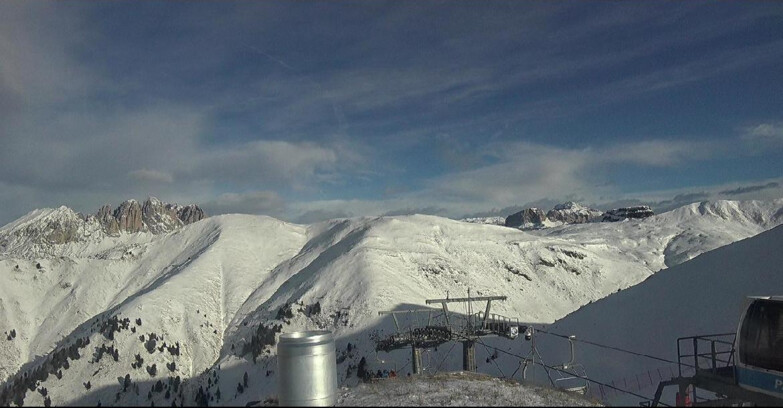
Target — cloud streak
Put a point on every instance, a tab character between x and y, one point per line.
764	135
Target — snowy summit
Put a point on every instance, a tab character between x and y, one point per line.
202	304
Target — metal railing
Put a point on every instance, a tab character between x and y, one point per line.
707	352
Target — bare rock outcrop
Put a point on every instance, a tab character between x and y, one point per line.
154	216
573	213
105	217
159	217
619	214
566	213
190	213
129	217
528	216
41	231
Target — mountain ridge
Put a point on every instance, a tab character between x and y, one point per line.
217	287
41	229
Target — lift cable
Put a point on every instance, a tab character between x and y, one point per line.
445	357
567	372
592	343
493	360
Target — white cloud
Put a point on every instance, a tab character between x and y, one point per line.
528	171
659	153
38	65
767	134
272	162
77	145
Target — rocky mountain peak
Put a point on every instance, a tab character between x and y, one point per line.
105	217
154	216
569	205
128	216
527	217
40	230
158	217
566	213
572	213
190	214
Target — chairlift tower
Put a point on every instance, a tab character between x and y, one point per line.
476	325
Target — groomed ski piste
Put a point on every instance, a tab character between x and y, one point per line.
217	288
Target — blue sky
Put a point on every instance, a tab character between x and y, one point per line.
310	110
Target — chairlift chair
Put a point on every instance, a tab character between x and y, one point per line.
577	380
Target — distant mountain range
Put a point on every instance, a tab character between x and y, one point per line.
173	306
38	231
562	214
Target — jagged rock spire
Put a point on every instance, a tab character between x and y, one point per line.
154	216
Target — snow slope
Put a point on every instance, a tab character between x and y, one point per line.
160	278
702	296
459	389
212	285
676	236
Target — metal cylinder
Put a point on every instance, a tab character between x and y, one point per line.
469	355
307	369
416	360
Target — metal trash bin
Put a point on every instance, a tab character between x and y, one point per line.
307	369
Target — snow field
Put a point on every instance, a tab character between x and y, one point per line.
209	285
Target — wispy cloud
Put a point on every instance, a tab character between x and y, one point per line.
526	171
273	163
659	153
765	134
750	189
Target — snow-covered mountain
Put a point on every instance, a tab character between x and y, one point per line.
572	213
681	234
496	220
562	214
702	296
204	302
44	231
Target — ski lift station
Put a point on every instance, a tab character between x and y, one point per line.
731	369
742	368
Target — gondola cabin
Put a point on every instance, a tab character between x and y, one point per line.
758	352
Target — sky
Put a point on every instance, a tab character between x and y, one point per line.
312	110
